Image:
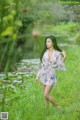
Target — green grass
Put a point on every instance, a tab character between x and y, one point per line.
30	103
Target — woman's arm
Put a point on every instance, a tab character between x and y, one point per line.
59	62
64	55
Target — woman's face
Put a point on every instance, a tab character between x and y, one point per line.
49	43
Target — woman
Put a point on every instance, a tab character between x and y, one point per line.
52	58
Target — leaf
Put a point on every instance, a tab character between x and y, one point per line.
18	23
8	31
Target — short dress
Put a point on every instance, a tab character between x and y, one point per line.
47	69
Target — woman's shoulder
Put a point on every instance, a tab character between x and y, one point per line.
58	53
45	51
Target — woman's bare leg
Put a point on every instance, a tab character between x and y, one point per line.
46	95
46	100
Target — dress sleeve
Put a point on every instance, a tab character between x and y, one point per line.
60	62
38	73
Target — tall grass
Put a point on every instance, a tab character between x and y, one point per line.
29	104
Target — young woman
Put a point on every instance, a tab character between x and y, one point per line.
52	58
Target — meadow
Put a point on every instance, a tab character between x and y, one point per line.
27	102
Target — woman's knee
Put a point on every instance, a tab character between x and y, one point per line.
47	91
46	95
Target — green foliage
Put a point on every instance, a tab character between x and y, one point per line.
15	23
8	31
78	38
18	18
62	28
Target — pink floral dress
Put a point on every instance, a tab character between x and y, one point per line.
47	69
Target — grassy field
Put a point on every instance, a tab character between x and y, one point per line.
29	103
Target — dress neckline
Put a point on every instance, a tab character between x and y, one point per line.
51	55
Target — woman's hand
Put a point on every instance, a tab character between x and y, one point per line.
64	54
37	81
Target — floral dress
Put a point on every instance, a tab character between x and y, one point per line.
47	70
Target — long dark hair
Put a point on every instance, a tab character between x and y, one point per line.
53	38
